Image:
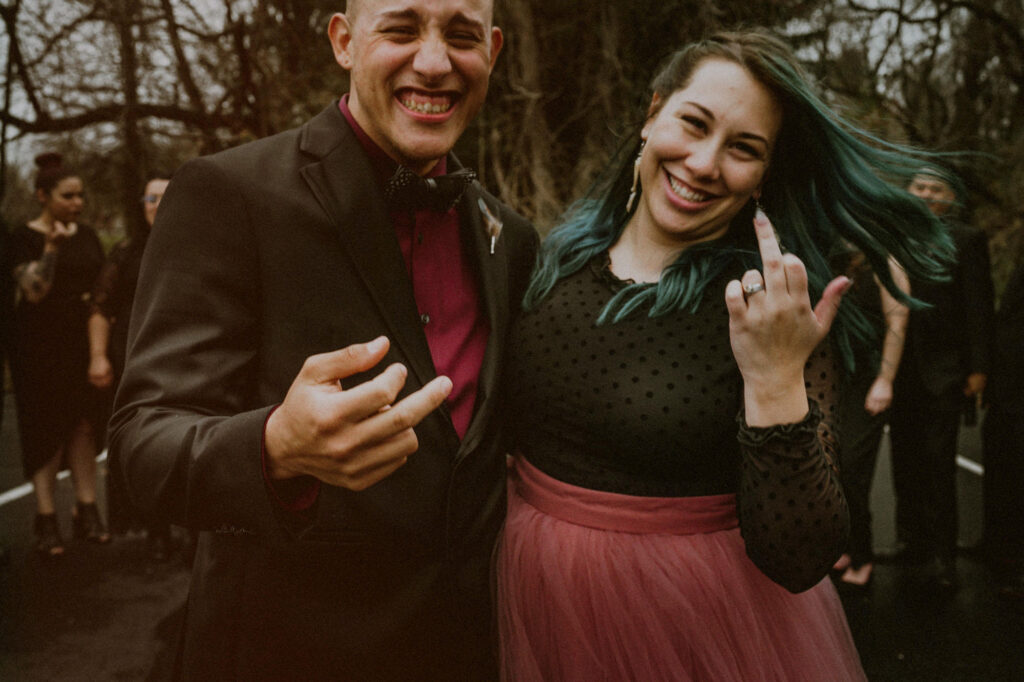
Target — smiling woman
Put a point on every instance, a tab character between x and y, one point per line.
675	503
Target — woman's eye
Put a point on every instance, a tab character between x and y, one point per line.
695	122
749	150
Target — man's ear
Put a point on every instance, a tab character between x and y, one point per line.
339	32
497	40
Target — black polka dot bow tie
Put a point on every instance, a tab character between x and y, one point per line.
409	192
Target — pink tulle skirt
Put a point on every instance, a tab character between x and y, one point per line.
601	586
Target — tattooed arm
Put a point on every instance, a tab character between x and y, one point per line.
36	277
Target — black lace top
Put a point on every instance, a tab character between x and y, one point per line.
653	407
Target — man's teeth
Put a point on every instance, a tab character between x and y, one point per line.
426	107
685	192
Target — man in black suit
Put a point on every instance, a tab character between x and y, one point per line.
1003	441
347	513
944	367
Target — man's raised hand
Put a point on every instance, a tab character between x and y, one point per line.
353	437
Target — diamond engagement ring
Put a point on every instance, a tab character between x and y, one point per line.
751	289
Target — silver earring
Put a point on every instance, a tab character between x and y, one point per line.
636	178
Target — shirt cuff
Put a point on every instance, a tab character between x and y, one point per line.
295	495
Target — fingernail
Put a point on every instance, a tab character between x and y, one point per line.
446	384
377	344
759	216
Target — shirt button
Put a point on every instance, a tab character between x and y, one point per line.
425	319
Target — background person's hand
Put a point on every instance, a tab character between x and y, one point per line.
101	373
353	437
774	330
879	396
60	233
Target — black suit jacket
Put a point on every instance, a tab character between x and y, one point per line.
261	256
951	339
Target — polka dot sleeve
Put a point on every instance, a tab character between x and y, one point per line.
793	514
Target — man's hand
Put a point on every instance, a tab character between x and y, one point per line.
353	437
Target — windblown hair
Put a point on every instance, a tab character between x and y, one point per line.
51	171
828	183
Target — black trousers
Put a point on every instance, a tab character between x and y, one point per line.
859	437
924	434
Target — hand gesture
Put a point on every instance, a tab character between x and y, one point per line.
773	330
101	373
60	232
353	437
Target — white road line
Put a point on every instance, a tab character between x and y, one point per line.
26	488
970	465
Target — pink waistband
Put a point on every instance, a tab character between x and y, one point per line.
623	513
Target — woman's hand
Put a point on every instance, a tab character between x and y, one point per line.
59	233
773	330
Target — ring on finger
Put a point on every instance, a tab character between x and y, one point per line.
753	288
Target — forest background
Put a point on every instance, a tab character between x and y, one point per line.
124	87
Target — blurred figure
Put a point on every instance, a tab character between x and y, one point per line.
113	294
945	364
54	261
1003	442
863	410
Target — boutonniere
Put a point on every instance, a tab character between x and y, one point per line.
491	221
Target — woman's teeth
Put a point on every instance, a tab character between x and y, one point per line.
687	193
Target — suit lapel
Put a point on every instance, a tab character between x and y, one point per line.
492	270
345	186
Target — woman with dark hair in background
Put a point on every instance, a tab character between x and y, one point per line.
674	503
53	261
113	295
864	408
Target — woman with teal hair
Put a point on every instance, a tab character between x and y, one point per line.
674	498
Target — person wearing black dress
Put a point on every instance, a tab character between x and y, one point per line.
674	497
53	261
113	295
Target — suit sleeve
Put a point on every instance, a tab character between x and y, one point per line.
978	298
188	425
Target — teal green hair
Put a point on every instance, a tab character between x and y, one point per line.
828	183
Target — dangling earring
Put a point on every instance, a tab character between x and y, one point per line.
636	177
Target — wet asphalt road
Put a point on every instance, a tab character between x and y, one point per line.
111	613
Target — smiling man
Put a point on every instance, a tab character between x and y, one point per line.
312	382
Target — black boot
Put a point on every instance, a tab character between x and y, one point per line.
48	540
88	524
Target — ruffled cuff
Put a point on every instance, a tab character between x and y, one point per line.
803	434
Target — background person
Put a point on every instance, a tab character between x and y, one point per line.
1003	442
946	359
863	409
348	500
113	295
675	502
53	261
